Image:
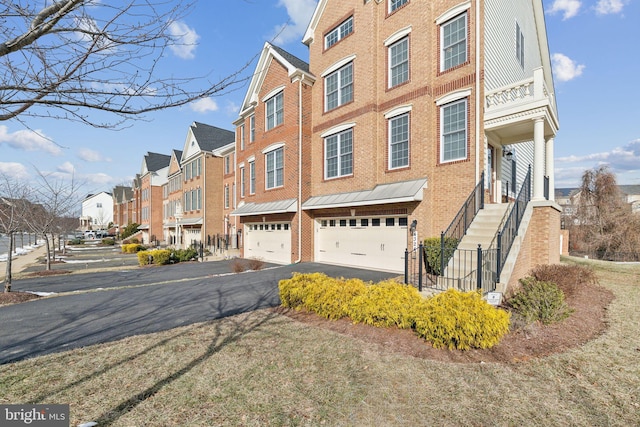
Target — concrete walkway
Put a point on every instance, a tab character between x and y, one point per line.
22	262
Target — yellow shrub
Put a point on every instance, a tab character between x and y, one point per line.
385	304
331	297
132	248
461	320
143	257
293	291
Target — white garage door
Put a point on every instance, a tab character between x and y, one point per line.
268	241
376	243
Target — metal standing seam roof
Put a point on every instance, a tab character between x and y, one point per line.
397	192
280	206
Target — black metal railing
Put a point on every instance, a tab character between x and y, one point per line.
470	269
461	222
509	230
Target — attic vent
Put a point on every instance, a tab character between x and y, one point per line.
193	143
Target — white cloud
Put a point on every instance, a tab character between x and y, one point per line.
625	159
609	7
66	167
14	170
101	179
28	140
569	8
185	40
232	107
92	156
564	68
204	105
299	12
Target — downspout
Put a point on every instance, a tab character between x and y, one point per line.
299	171
478	104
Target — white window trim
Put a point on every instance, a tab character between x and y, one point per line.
266	166
453	96
389	166
324	149
441	137
453	12
337	129
390	84
455	16
338	65
273	93
337	29
389	7
400	34
270	148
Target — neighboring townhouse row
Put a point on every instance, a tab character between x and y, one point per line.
401	110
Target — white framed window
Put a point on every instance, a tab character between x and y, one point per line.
453	39
338	154
227	164
519	45
274	111
226	197
395	4
274	168
338	33
241	182
252	128
453	137
399	141
399	62
338	87
252	177
242	137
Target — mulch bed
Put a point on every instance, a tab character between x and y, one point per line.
590	303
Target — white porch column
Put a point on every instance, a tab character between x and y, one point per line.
550	169
538	159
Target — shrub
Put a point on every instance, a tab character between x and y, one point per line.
238	266
255	264
567	277
76	241
293	291
461	320
132	248
129	230
108	241
184	255
433	250
331	297
385	304
161	256
540	301
144	258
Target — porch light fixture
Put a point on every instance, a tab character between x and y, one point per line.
414	225
507	153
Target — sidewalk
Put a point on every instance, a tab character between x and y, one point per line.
21	262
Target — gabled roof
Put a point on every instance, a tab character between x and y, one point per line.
315	18
122	193
210	137
294	65
153	162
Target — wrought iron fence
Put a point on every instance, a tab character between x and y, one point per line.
467	270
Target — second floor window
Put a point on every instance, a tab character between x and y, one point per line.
339	87
274	168
274	111
399	142
241	182
252	128
453	144
242	137
339	154
338	33
399	62
252	177
454	42
395	4
519	45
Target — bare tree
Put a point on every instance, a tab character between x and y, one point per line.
13	204
605	222
54	199
66	58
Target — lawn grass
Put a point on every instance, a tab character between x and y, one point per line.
264	369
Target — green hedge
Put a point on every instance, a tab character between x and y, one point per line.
433	250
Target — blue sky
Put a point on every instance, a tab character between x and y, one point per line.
593	43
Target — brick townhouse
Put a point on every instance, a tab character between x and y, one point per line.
402	109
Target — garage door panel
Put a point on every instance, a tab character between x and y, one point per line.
271	245
378	247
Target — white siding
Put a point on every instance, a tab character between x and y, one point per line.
523	156
501	65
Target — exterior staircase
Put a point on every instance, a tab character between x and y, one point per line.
461	271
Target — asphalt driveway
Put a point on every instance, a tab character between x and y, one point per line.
101	307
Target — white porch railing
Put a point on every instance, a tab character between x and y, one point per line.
520	93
